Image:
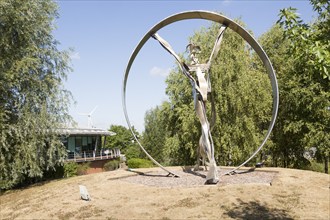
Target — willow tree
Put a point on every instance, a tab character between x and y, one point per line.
242	94
33	100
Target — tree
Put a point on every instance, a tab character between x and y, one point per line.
182	125
33	100
242	94
306	93
153	135
123	140
276	47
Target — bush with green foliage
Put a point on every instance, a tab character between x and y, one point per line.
56	173
139	163
315	166
82	168
111	165
74	169
132	151
70	169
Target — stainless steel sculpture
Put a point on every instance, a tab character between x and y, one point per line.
202	86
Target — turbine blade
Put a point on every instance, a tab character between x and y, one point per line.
93	110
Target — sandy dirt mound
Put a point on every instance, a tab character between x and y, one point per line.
266	193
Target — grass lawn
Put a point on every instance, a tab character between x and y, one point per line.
292	194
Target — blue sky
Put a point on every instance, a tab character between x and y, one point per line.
105	33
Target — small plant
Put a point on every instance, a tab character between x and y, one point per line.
315	166
139	163
132	152
70	169
111	165
82	168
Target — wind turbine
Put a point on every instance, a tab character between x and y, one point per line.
89	117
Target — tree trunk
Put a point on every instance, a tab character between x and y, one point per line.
326	164
274	160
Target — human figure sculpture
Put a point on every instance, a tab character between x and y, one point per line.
201	87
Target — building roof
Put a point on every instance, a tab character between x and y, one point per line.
84	131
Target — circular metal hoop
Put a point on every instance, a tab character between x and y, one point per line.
211	16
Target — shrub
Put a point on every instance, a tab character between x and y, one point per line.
139	163
315	166
56	173
82	168
111	165
132	152
70	169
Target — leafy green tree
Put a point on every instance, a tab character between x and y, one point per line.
309	42
242	94
276	47
123	140
305	93
153	136
33	100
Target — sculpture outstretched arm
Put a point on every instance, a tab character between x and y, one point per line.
184	68
215	51
167	46
216	47
213	112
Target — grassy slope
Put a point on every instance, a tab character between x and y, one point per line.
294	194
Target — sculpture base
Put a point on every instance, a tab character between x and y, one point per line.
211	182
198	168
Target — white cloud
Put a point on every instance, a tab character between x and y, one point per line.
75	56
226	2
157	71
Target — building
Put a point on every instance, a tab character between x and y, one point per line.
86	144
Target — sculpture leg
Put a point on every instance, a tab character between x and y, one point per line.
207	144
196	168
200	154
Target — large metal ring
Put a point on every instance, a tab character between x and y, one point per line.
211	16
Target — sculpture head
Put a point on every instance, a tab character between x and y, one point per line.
193	50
